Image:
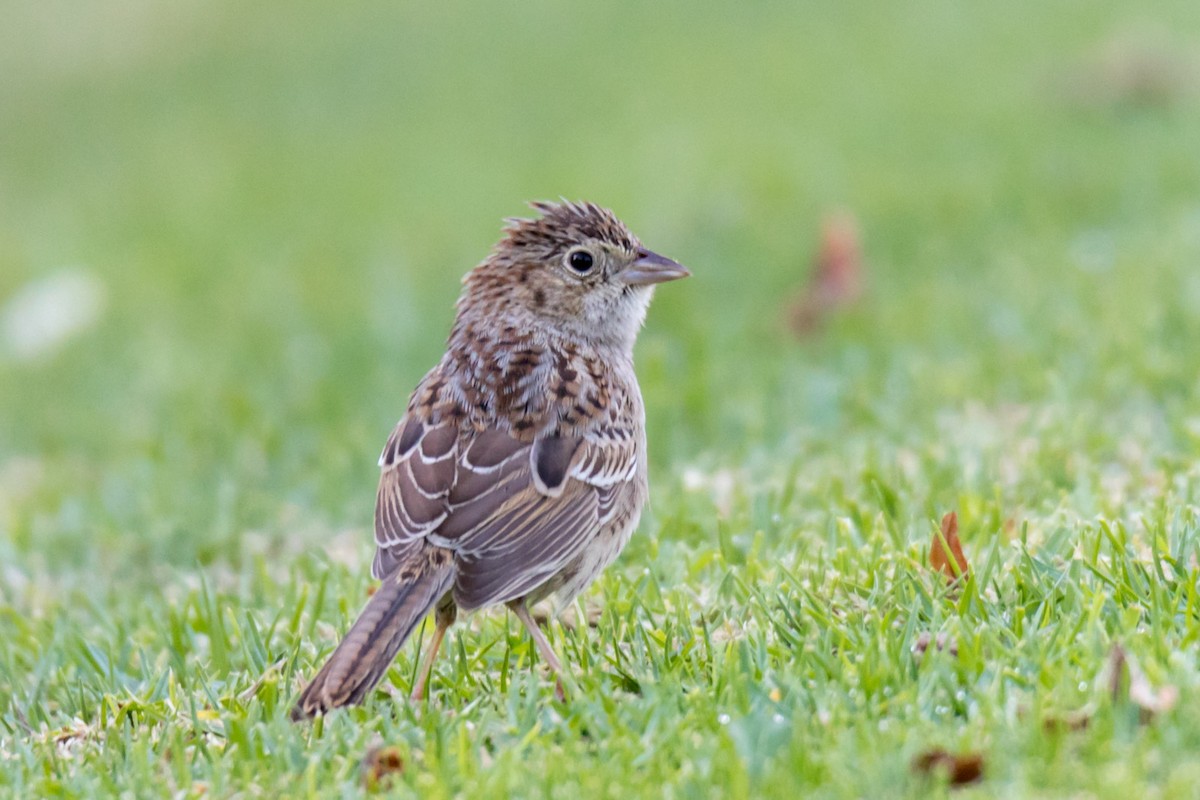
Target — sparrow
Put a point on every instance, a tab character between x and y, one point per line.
518	470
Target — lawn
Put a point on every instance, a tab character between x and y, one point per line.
250	221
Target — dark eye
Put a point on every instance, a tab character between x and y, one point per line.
581	261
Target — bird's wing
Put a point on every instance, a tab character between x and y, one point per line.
419	466
520	512
514	512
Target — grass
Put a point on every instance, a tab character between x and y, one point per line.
278	201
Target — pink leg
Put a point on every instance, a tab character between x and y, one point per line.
543	646
443	622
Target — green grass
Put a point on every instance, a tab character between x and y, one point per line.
279	201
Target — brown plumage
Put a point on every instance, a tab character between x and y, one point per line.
519	468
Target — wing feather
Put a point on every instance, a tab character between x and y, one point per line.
514	512
515	565
418	470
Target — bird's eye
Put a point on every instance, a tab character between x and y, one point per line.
580	261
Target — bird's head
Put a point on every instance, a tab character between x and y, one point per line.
576	268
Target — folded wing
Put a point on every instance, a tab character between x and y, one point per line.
514	513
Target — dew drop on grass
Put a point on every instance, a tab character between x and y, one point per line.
723	719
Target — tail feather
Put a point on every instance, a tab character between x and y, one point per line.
363	656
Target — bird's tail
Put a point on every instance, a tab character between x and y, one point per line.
364	655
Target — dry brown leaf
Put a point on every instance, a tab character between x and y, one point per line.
1077	720
960	769
379	765
1150	700
836	280
1135	72
1137	690
76	731
1113	674
943	641
952	564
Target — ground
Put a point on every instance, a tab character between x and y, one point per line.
245	226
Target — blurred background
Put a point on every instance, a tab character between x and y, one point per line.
231	236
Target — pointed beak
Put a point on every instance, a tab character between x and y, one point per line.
652	268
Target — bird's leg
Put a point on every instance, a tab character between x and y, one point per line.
445	618
539	638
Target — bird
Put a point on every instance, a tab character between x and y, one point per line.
518	470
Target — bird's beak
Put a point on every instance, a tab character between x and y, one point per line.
652	268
